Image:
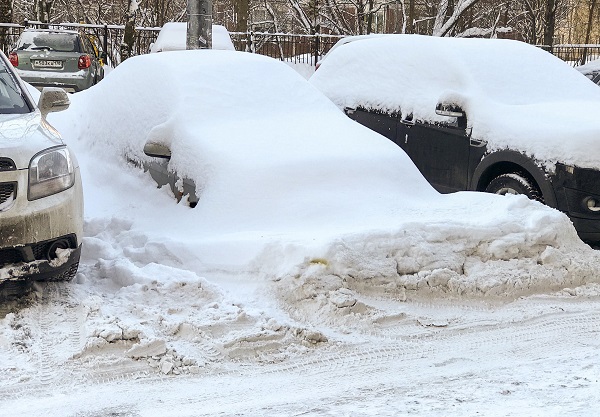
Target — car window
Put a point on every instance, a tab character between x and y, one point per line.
52	41
11	97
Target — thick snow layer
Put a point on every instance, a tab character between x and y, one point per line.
274	160
173	35
515	95
591	66
340	284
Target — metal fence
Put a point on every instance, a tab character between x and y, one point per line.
307	49
108	37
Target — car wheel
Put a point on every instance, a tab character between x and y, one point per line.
514	183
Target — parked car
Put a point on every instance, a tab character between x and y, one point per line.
478	114
591	70
59	58
173	37
41	200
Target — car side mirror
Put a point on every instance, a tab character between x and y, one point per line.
449	110
157	150
53	99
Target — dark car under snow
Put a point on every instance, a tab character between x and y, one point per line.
478	114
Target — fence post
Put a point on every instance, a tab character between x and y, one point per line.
317	47
249	41
105	43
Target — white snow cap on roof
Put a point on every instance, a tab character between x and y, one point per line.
172	37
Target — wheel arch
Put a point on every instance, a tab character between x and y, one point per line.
507	161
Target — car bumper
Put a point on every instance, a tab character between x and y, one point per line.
31	230
69	81
578	195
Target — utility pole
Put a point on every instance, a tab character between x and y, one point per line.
199	25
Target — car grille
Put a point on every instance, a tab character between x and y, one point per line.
7	164
7	191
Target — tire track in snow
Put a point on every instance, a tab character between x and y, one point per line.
356	368
60	322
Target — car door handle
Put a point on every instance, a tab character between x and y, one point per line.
478	143
407	122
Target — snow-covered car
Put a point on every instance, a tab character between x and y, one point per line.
478	114
41	200
58	58
591	70
273	159
172	37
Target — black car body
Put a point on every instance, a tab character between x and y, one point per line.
449	136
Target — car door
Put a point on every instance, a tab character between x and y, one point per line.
383	123
439	150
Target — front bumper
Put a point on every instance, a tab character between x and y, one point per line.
28	229
40	269
574	187
69	81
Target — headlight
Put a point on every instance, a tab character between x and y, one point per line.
50	172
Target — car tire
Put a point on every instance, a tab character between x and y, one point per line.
514	183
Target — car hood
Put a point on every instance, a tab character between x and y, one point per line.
24	135
567	131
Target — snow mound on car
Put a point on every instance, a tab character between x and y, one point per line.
278	165
515	95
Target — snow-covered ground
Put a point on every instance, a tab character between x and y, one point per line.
459	305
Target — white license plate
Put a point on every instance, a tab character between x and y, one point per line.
47	63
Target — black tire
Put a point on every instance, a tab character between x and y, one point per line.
514	183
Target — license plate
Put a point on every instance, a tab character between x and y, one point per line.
47	63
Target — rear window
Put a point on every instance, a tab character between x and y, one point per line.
11	97
49	41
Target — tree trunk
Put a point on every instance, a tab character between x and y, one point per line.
240	10
550	23
5	17
129	35
588	30
410	26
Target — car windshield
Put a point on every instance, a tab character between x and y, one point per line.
50	41
11	97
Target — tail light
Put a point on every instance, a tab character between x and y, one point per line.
84	62
14	59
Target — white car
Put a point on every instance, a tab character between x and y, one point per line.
41	199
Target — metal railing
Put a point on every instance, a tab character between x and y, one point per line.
306	49
108	37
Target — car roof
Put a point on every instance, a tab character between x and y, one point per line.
72	32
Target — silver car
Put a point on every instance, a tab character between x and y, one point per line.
41	199
59	58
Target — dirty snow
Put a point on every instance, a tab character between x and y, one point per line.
324	288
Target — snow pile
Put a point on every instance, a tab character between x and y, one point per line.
173	36
515	95
291	187
589	67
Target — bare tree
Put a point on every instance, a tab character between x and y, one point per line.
5	17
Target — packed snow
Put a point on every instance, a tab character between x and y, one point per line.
319	273
515	95
172	37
